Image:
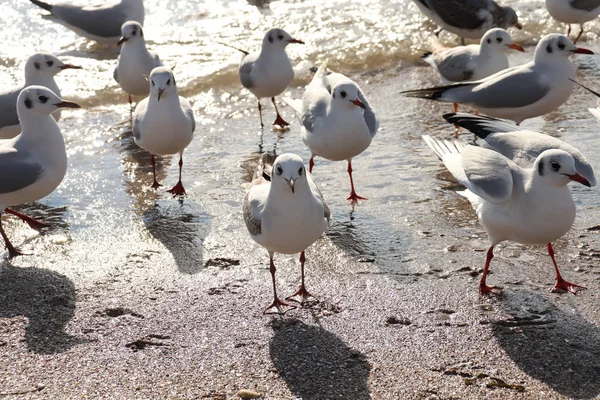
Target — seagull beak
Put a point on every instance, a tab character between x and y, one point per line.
70	66
292	40
518	26
516	47
121	41
160	92
581	50
291	183
358	103
580	179
67	104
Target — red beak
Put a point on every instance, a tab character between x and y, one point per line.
580	179
70	66
292	40
581	50
358	103
160	92
516	47
121	41
67	104
518	26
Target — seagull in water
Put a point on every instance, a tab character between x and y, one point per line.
520	92
34	162
135	61
338	123
268	72
164	123
524	205
285	212
468	18
573	12
101	23
40	69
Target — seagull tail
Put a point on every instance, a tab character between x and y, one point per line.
480	125
45	6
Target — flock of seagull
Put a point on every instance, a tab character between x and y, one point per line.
284	210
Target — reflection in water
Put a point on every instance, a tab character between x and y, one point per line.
316	364
46	299
558	348
54	217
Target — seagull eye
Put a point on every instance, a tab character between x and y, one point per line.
49	63
301	170
153	84
279	170
169	82
280	37
499	40
561	46
343	94
555	166
42	99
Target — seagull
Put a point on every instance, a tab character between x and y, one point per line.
135	61
34	162
40	69
101	23
338	123
163	123
285	212
520	92
519	145
268	72
595	111
524	205
573	12
468	18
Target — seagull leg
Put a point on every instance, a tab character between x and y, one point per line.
483	288
311	163
278	304
178	189
578	36
302	290
12	250
32	222
353	196
561	284
569	30
155	185
278	121
260	114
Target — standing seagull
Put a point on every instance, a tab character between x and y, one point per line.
135	61
528	206
574	12
285	213
520	92
268	72
468	18
164	123
101	23
40	69
34	163
338	123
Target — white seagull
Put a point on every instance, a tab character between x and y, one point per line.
135	61
40	69
285	212
34	162
521	92
163	123
468	18
268	72
338	123
528	206
101	23
573	12
520	145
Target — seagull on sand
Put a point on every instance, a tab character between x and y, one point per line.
573	12
101	23
40	69
285	212
34	162
524	205
521	92
164	123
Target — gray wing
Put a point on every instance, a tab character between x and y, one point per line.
317	192
102	22
187	110
314	111
138	115
18	170
116	73
245	69
253	223
463	14
456	67
8	107
586	5
370	117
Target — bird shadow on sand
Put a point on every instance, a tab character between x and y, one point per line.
46	298
559	348
316	364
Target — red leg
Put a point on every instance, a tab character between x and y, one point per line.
353	196
155	185
561	285
260	114
311	164
278	121
578	36
483	288
305	295
33	223
569	30
455	107
278	304
178	189
12	250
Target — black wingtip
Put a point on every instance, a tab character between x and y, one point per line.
45	6
472	123
426	54
266	176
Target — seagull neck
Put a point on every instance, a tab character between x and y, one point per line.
36	78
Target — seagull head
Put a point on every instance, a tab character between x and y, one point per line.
556	45
345	94
557	167
162	83
277	38
507	18
499	40
39	100
131	31
288	173
45	64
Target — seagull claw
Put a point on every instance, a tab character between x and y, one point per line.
304	297
279	305
564	286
